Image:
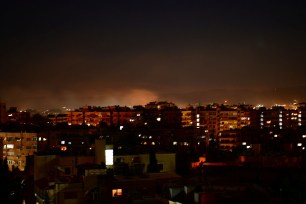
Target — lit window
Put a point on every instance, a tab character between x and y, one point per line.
109	157
116	193
10	146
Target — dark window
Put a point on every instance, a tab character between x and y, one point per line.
67	170
70	195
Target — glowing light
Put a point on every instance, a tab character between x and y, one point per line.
10	146
116	192
63	148
109	155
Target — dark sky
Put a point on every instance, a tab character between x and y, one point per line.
72	53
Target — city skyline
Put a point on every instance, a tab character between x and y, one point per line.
129	53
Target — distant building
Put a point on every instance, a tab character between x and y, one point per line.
20	117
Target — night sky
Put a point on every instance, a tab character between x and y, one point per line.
73	53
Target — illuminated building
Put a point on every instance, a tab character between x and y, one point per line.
75	117
227	140
217	118
16	146
277	117
186	118
61	118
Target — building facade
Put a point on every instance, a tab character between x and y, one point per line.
16	146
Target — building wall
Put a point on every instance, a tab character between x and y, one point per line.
167	160
16	146
44	165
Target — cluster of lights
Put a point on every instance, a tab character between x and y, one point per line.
281	120
247	146
198	120
183	143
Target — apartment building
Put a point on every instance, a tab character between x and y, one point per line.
18	145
